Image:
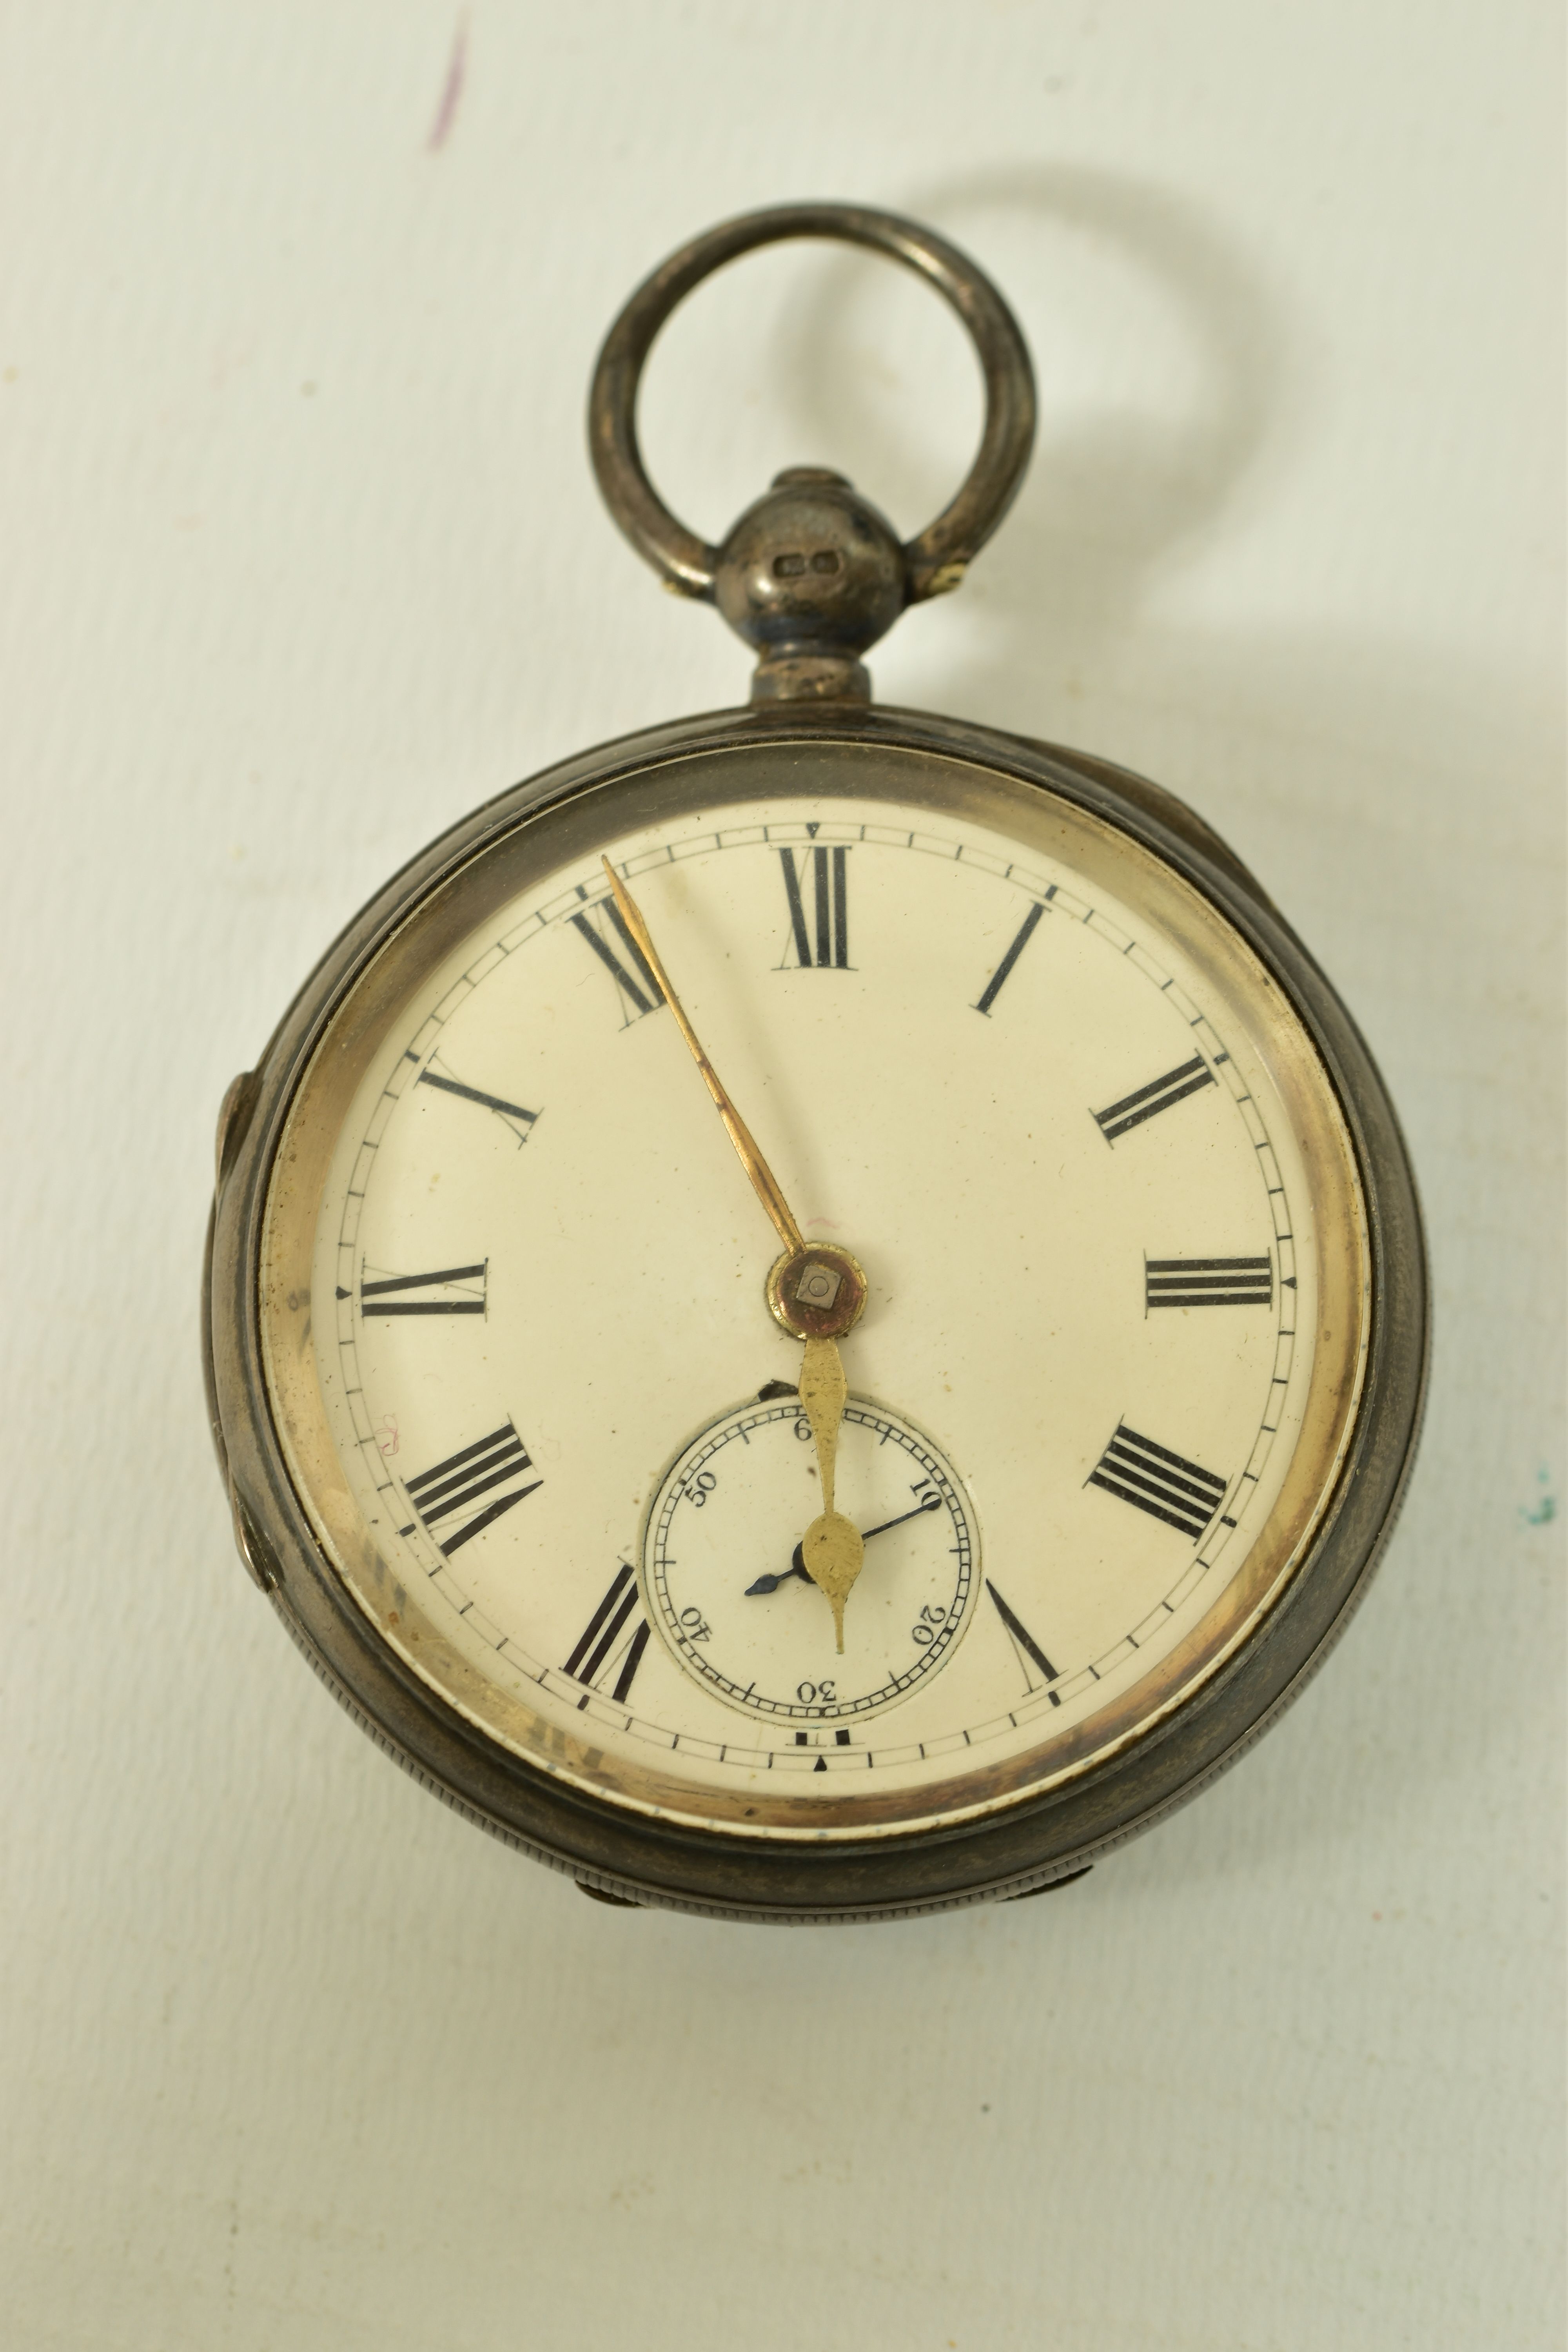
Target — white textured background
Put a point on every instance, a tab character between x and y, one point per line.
301	558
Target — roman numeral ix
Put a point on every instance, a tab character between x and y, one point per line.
1207	1282
1157	1096
828	932
598	1646
460	1289
638	987
1153	1479
456	1486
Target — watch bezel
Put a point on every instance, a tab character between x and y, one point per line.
1035	1840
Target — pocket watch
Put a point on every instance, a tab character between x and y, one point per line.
819	1313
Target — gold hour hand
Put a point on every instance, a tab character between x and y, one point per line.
832	1547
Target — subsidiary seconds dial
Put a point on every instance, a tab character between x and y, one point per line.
736	1605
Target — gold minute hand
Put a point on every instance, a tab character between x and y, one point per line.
763	1181
832	1547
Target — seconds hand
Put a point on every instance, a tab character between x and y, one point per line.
797	1565
815	1294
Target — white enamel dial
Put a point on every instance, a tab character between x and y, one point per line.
1106	1364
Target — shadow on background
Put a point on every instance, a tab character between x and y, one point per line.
1110	498
1367	781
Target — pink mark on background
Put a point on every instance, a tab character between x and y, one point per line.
452	90
386	1433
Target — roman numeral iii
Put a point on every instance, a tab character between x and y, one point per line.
1207	1282
1153	1479
1159	1095
604	1640
820	888
452	1488
456	1291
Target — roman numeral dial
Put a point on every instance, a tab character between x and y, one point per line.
1147	1102
605	929
610	1648
455	1290
1035	1667
817	893
1036	1104
1003	971
512	1115
1207	1282
455	1490
1153	1479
